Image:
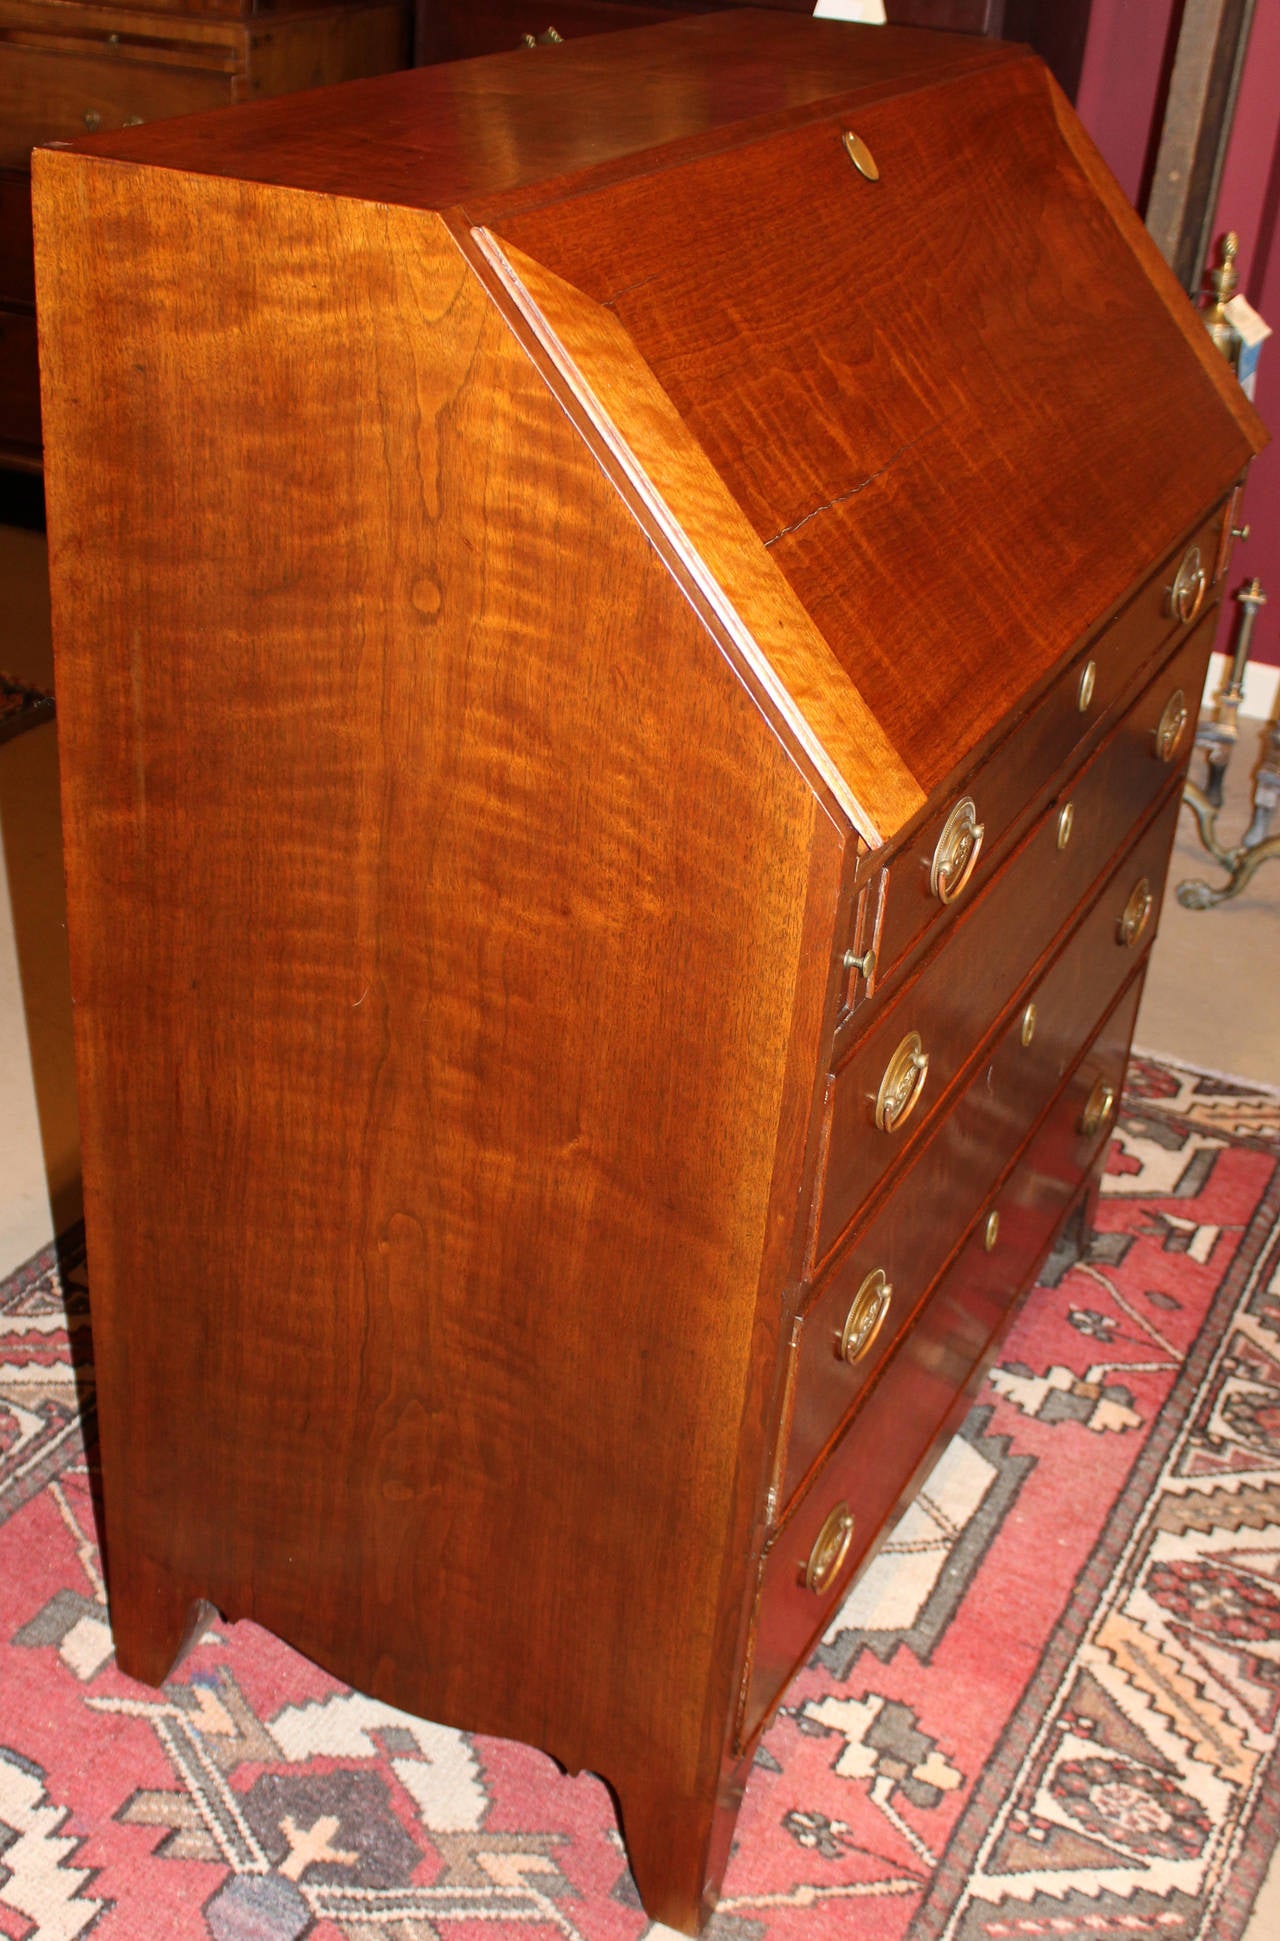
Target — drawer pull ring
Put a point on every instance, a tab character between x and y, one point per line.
902	1084
1027	1030
860	155
1187	592
1100	1105
1172	725
1066	822
957	851
1088	681
866	1314
991	1232
1136	913
830	1548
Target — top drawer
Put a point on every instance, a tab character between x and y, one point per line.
956	847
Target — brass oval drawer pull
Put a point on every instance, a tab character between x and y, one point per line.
830	1548
991	1232
1027	1029
956	851
1172	725
1088	681
1186	595
1099	1106
902	1084
860	155
865	1318
1066	823
1136	913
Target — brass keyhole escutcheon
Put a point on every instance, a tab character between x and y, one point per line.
991	1231
830	1548
1186	595
956	851
865	1318
1066	822
1136	913
1027	1029
1099	1106
860	155
1088	681
902	1084
1172	725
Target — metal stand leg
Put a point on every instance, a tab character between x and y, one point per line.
1218	739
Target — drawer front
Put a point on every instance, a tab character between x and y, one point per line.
1062	722
895	1435
871	1297
57	95
991	948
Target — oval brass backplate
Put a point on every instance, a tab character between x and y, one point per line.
1088	681
865	1318
956	851
860	155
902	1084
830	1548
1186	595
1172	726
1136	913
1099	1106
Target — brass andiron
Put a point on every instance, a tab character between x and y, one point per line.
1224	282
1218	738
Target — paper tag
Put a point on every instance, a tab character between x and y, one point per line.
1242	314
870	12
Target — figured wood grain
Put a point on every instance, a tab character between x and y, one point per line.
772	631
373	827
957	470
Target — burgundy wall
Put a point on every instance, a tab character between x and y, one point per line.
1120	99
1249	203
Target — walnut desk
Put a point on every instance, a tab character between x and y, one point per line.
628	631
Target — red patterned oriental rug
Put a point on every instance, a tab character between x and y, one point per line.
1050	1707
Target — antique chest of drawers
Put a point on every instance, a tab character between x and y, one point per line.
71	65
628	631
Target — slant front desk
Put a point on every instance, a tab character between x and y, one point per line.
629	625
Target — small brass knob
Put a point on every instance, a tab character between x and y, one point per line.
860	155
991	1232
1099	1106
1240	532
1186	595
1088	681
1172	725
902	1084
1136	913
830	1548
956	851
864	964
1027	1029
1066	823
865	1318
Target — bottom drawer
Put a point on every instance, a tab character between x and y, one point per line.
880	1460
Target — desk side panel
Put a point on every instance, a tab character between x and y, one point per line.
444	917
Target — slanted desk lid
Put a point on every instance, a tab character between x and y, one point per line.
960	406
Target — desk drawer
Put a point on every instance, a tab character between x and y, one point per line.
897	1432
54	94
944	1014
870	1298
1062	722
